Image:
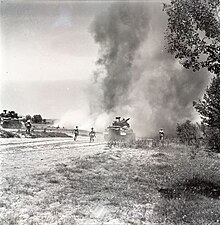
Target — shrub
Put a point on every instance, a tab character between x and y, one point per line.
187	132
212	136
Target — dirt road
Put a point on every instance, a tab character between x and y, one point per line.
19	157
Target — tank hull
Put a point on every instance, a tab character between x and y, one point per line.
11	124
115	134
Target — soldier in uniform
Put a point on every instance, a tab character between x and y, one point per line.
161	134
76	133
28	127
92	135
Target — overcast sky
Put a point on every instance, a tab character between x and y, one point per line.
48	40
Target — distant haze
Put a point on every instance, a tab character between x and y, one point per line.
49	98
43	40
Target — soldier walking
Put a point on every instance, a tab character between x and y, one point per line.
161	135
76	133
28	127
92	135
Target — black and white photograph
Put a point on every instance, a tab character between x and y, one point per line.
110	112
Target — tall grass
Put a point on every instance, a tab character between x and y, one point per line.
190	193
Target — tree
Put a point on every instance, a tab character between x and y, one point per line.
209	106
193	33
193	37
37	119
209	109
187	132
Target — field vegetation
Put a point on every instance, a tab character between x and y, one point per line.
172	184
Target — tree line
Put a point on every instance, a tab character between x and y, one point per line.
193	37
35	119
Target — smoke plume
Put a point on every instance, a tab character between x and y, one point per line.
138	77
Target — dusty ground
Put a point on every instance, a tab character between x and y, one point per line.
22	157
59	181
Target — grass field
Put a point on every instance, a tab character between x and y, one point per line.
163	185
190	193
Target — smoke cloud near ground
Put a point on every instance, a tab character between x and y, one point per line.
138	78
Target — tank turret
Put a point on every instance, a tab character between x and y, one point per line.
121	123
119	131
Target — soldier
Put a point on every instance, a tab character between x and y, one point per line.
161	134
92	135
28	127
76	133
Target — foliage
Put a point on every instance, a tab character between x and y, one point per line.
37	119
193	33
209	109
187	132
212	136
209	106
193	36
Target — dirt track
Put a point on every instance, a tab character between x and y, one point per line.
21	157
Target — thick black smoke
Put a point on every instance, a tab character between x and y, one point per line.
120	33
138	77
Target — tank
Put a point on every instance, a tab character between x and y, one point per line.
119	131
10	119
